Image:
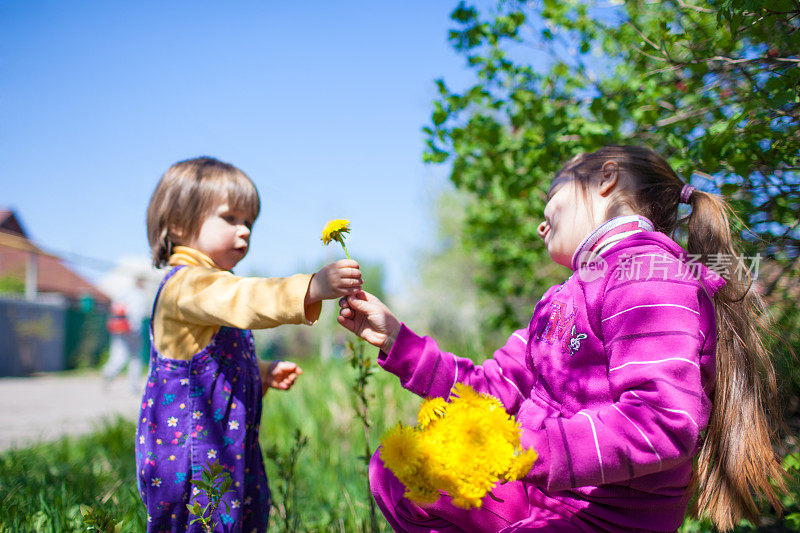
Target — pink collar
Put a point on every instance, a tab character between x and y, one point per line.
606	230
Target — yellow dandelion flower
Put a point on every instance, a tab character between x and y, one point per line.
521	465
400	451
421	493
491	403
465	502
501	426
430	410
469	428
466	394
334	231
462	448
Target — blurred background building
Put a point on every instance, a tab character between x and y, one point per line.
51	318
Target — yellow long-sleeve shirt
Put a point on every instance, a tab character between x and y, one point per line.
200	298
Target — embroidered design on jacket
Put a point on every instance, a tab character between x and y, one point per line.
560	327
575	341
558	323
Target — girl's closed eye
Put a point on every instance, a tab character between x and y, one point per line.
237	220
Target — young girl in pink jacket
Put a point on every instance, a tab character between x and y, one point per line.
640	363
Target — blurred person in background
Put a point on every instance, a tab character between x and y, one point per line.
124	326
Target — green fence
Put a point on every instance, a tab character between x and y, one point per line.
50	335
85	336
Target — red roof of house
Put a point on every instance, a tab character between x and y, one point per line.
54	276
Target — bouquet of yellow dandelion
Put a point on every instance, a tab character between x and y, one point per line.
334	231
462	447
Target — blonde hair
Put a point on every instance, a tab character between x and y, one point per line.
187	193
736	459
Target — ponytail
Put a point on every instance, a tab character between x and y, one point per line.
736	459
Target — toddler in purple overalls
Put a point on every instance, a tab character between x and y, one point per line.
202	402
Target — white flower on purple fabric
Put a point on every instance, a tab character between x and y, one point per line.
156	482
196	415
233	424
185	381
235	504
172	421
149	402
141	439
212	454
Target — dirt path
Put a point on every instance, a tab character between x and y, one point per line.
46	407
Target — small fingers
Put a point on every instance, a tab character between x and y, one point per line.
350	273
346	263
347	323
360	295
357	303
352	282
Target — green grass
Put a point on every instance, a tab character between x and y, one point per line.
42	488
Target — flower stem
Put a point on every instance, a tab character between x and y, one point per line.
341	241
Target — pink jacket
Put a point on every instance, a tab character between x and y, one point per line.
611	381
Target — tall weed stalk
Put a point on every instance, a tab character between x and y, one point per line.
364	368
286	507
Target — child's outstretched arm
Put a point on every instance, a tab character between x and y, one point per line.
338	279
426	370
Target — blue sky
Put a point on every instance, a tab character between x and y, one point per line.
321	103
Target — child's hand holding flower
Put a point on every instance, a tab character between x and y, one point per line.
338	279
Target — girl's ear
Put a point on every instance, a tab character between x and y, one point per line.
175	232
610	177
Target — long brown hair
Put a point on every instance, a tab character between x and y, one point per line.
185	196
736	459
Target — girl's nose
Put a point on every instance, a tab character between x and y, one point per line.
542	229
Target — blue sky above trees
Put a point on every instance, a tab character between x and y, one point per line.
320	103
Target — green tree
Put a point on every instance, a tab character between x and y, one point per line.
447	303
711	86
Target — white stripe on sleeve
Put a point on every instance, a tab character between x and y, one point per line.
651	305
596	446
643	436
654	362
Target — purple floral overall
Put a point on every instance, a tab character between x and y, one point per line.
202	410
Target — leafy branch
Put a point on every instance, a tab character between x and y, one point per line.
215	483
